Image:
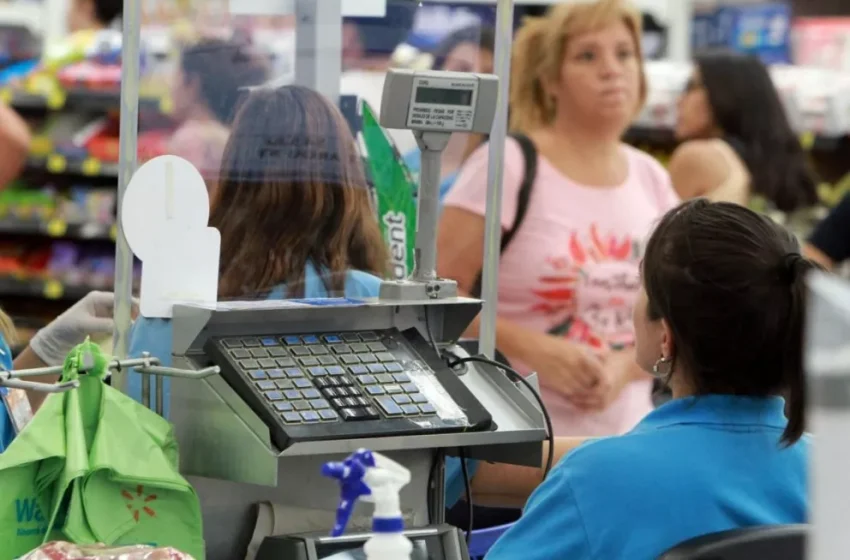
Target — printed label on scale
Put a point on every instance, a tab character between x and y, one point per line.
19	408
442	104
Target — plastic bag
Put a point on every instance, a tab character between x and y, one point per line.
68	551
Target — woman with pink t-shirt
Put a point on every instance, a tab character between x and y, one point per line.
569	278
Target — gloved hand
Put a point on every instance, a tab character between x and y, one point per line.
91	316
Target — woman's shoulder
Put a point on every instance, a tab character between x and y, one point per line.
362	284
644	162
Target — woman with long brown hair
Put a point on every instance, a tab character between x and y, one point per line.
293	209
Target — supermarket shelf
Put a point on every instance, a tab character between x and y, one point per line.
12	286
665	138
58	229
77	99
58	164
29	15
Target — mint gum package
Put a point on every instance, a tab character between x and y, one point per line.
68	551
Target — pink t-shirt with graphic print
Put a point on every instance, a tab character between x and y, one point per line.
572	269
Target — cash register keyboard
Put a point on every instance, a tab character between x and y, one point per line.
346	385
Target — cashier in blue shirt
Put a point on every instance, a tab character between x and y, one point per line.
720	320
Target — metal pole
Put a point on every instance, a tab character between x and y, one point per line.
680	15
493	221
126	167
318	46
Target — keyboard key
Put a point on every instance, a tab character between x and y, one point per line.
303	384
292	394
327	360
368	337
318	350
275	373
375	390
321	383
351	337
410	409
267	363
401	378
345	381
259	374
352	414
266	385
291	340
389	406
331	392
311	393
331	338
367	379
377	347
339	403
285	362
291	417
277	352
283	406
393	367
268	341
318	371
301	405
377	368
259	353
294	372
333	381
402	399
392	389
427	408
353	391
310	339
310	416
369	413
309	361
362	401
248	364
319	404
349	359
274	395
418	398
232	343
359	347
299	351
385	378
240	353
250	342
341	349
336	370
350	402
385	357
358	370
284	384
328	414
410	388
367	358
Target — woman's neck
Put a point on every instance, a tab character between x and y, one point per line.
452	157
199	112
592	143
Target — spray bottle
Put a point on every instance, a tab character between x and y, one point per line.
377	479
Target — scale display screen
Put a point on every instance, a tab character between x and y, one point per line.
444	96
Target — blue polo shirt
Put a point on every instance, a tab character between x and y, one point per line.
693	466
7	429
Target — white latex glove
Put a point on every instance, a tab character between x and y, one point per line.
91	316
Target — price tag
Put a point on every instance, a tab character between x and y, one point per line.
807	140
166	105
41	146
56	163
91	166
57	228
53	289
56	99
113	232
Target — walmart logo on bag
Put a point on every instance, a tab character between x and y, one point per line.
31	521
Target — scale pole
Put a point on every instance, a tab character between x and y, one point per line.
495	172
128	147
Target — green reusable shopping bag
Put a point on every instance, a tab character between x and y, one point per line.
119	483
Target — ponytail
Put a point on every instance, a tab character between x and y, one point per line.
530	106
797	268
7	329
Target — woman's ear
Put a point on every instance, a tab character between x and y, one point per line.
668	344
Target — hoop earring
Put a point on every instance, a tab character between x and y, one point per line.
658	368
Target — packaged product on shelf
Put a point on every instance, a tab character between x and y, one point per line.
68	551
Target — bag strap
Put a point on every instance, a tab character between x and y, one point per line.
529	154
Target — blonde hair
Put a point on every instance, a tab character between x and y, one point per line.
539	50
7	329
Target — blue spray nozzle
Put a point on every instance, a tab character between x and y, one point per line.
349	473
